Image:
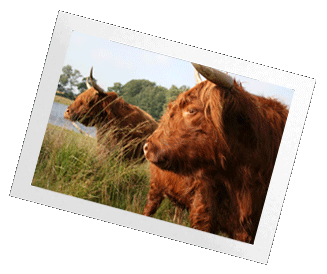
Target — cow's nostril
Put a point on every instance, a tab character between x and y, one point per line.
145	147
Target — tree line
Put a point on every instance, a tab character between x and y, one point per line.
143	93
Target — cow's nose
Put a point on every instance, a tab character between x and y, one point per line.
66	114
145	148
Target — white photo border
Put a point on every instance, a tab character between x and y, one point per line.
67	23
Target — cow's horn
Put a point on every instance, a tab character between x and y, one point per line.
87	83
215	76
197	77
94	84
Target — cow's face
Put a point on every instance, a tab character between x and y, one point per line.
185	140
88	107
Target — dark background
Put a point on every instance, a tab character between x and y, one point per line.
284	35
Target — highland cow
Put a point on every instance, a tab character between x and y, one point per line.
214	153
117	122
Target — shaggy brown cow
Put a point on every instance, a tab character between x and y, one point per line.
213	154
116	121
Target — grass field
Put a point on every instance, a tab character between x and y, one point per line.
68	163
63	100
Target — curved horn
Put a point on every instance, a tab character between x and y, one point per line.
95	85
197	77
87	83
215	76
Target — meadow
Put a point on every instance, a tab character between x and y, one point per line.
63	100
69	163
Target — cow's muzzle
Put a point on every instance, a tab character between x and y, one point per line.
154	154
66	114
145	148
150	152
69	115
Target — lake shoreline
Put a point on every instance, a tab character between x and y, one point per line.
57	118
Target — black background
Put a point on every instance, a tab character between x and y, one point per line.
286	38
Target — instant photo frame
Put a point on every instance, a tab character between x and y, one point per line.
302	87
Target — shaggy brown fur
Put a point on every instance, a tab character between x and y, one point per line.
213	154
116	121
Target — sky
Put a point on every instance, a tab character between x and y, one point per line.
114	62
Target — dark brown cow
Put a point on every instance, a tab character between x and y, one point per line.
213	154
116	121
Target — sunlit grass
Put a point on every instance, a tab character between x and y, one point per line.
69	163
63	100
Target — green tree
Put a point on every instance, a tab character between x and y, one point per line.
68	79
63	81
160	101
146	95
173	92
81	86
116	88
133	88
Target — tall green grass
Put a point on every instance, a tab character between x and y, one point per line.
69	163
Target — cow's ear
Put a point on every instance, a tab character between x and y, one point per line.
96	92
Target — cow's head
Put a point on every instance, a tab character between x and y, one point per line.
191	133
91	106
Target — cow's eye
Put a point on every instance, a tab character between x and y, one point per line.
191	111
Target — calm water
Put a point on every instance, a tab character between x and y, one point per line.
57	118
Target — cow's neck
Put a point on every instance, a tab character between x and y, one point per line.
114	115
